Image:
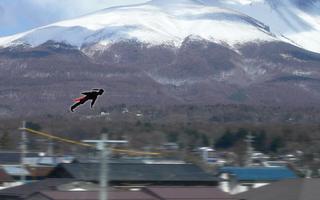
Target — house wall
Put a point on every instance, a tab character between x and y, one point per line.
236	188
232	186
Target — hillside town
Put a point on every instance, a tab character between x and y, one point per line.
111	170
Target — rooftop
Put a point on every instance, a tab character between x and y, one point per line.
51	189
94	195
5	177
190	193
26	190
296	189
136	172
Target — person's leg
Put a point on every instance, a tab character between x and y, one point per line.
74	106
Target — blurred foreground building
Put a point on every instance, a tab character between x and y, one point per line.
127	181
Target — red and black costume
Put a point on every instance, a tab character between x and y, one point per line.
88	96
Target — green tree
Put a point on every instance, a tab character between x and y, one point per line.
204	140
260	141
227	140
104	130
172	137
276	143
241	133
34	126
5	140
192	138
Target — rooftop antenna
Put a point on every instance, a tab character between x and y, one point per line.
50	150
102	146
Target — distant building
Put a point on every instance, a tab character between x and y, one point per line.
241	179
31	173
12	158
258	157
279	163
48	160
290	157
295	189
210	156
170	146
33	158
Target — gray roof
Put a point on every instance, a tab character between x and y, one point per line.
296	189
135	172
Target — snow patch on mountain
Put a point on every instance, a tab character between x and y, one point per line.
294	21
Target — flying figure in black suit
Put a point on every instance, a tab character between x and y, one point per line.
92	95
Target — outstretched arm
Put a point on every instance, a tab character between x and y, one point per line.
93	100
86	93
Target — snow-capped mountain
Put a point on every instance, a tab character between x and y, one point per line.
168	52
155	22
171	21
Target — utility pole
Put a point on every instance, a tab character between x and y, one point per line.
104	168
50	148
102	145
50	151
249	140
23	148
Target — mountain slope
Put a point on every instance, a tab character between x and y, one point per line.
155	22
199	72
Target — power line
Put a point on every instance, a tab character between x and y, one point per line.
74	142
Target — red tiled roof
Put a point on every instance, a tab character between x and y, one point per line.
39	171
190	193
94	195
150	193
4	177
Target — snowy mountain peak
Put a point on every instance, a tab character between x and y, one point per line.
172	2
171	21
155	22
